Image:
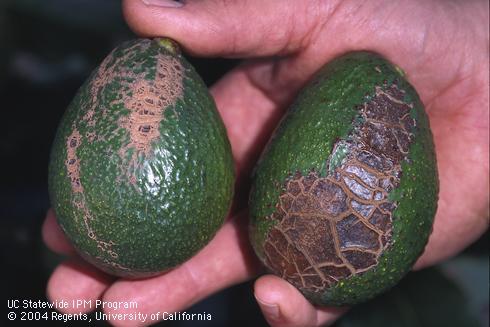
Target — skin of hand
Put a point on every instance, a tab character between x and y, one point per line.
444	48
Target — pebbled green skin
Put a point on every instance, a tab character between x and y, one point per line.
149	210
323	113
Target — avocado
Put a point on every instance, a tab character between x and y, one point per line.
344	194
141	172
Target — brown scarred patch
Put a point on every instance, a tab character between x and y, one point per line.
386	131
108	71
72	164
147	101
91	136
330	228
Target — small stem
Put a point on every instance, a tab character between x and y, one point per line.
169	44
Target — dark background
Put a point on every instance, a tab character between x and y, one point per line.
47	49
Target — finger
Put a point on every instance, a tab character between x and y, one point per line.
283	305
75	280
227	260
224	28
54	237
248	114
253	92
462	174
252	98
449	237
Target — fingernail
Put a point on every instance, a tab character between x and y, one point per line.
163	3
271	311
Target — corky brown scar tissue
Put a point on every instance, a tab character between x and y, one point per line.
72	164
348	211
146	101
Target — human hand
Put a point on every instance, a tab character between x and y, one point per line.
443	47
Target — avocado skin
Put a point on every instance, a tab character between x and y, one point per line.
324	112
142	208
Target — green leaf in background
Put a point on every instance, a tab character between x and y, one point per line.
430	298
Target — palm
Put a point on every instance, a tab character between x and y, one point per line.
251	99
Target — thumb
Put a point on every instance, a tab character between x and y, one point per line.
225	28
283	305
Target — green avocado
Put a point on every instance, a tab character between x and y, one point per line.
141	172
345	193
